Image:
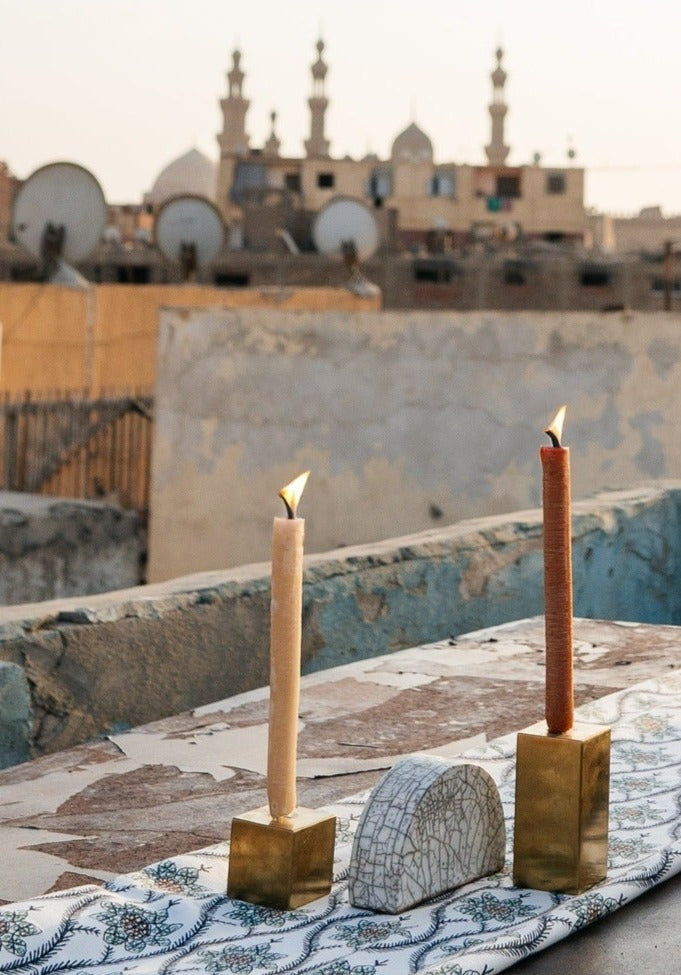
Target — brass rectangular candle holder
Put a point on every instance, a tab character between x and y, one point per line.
561	808
282	863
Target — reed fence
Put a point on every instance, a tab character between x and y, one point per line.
71	445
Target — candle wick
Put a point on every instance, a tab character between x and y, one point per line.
555	442
290	513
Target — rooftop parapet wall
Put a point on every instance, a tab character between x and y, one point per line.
128	657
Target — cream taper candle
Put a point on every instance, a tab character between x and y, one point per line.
285	645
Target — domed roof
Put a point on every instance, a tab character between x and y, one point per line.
193	172
412	145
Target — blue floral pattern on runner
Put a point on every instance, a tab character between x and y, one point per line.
241	960
173	917
170	877
252	915
135	928
490	907
14	929
368	932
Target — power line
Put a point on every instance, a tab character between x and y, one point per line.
635	168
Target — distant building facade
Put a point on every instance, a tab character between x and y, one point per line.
457	202
645	233
452	234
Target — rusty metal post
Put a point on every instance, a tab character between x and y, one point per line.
668	274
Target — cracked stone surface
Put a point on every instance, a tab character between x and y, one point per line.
116	805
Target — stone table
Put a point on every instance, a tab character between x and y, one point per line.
112	806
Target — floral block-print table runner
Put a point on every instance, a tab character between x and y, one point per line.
173	918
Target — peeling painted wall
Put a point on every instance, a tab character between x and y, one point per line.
124	658
407	420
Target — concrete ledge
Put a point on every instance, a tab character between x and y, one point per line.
128	657
52	548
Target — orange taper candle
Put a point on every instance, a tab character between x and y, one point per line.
555	461
285	643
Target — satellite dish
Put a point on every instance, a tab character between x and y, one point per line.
190	231
347	228
59	214
343	224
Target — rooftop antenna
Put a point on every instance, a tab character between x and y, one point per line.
571	151
346	228
189	231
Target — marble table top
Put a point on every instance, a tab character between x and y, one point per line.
108	807
172	916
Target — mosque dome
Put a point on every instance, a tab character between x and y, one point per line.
190	173
412	145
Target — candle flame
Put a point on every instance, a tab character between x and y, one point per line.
555	428
291	494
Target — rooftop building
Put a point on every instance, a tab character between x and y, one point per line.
456	199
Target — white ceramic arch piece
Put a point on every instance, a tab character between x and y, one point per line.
428	826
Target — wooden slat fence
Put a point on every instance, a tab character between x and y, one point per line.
69	445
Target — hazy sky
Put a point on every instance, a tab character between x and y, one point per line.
124	86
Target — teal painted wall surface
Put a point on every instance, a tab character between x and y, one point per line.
124	658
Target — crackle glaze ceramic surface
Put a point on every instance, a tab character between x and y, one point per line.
427	827
173	917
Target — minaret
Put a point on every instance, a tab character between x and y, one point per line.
271	147
233	138
317	145
496	150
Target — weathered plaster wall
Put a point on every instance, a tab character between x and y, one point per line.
51	548
407	420
128	657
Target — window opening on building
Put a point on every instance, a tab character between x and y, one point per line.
594	276
515	273
380	186
657	286
555	184
231	279
133	274
326	181
441	184
435	272
508	187
248	177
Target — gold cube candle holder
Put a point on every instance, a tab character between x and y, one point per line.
281	863
561	808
